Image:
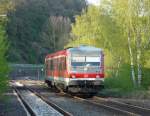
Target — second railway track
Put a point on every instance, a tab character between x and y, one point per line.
123	106
116	106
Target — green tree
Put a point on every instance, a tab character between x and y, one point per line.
4	6
3	62
95	27
55	33
27	22
133	17
122	29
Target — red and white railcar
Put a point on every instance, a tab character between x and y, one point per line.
79	69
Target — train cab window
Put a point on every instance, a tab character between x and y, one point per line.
78	59
85	61
93	61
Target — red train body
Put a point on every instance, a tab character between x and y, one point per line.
79	69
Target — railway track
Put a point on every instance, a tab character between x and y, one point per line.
114	106
120	107
37	105
105	103
108	106
123	106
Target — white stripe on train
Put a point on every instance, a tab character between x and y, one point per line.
66	80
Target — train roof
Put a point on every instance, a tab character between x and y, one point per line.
82	48
85	48
62	52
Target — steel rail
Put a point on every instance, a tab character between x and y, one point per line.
29	109
110	108
110	105
62	111
139	110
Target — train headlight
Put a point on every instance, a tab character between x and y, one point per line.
73	76
67	80
97	76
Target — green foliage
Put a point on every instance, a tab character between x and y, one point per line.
121	28
5	5
146	79
27	27
96	28
3	63
133	17
54	28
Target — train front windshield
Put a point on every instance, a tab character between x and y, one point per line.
85	64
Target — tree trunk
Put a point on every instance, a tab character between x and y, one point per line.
118	66
139	75
131	60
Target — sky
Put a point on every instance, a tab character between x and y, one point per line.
95	2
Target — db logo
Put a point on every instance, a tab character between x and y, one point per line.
85	76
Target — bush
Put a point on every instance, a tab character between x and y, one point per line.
123	86
123	82
146	78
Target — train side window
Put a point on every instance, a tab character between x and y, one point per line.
49	64
46	64
59	64
56	63
64	63
52	64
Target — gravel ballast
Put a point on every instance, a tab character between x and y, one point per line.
10	105
74	106
39	107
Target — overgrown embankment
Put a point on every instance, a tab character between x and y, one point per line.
122	85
